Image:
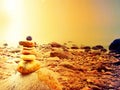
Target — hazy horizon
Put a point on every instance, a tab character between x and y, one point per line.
87	22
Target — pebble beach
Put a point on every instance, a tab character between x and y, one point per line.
62	68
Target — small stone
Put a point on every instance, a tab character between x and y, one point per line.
29	38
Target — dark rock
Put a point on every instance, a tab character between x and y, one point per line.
29	38
86	47
104	50
55	44
5	44
94	48
97	47
117	63
115	46
74	46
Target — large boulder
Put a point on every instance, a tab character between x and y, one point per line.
115	46
43	79
23	82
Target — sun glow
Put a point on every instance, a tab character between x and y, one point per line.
82	21
14	29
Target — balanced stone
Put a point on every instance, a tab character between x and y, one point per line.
31	51
28	67
28	64
28	57
27	43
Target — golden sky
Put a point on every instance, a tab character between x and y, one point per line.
87	22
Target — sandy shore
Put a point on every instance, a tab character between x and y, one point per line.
62	68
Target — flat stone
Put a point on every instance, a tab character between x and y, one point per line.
27	43
28	67
26	52
28	57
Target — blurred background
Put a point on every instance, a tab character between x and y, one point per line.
86	22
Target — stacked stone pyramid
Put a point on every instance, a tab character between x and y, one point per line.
28	63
